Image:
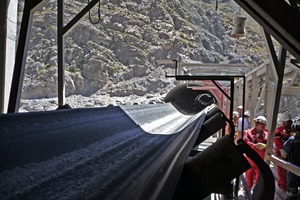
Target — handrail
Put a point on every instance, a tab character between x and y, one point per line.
284	164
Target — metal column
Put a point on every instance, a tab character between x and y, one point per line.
29	8
60	53
3	27
272	108
62	30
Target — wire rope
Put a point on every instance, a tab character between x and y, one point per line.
90	18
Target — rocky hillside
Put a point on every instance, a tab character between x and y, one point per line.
116	57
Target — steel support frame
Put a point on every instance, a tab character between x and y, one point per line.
62	30
255	88
278	66
289	104
295	63
269	14
231	97
3	35
17	81
29	8
60	53
214	78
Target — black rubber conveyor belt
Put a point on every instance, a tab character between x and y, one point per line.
89	153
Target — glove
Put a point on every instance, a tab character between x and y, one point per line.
283	153
260	146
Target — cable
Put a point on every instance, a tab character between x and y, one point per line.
90	13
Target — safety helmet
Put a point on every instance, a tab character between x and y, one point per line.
285	117
240	107
260	119
247	113
296	123
235	114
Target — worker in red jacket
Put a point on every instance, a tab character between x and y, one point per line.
256	138
282	134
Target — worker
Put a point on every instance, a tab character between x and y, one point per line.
256	138
240	110
282	133
235	121
246	117
292	149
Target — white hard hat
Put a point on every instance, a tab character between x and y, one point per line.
296	123
247	113
260	119
285	117
240	107
235	114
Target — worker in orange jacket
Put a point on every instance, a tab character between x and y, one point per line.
282	134
256	138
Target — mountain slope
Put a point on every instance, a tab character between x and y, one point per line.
117	56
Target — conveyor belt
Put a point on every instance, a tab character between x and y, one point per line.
94	153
